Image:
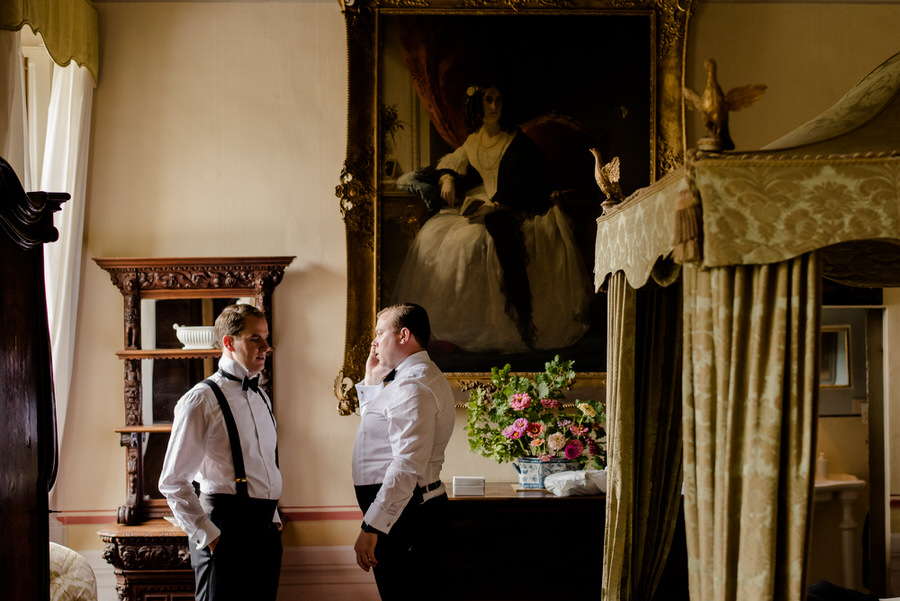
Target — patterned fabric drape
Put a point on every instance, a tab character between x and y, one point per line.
750	393
758	211
644	437
619	453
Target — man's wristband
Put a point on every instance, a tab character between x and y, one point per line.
370	529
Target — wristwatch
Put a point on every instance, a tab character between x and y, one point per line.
370	529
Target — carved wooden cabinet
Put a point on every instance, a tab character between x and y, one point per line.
149	555
151	561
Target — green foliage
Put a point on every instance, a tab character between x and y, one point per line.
517	416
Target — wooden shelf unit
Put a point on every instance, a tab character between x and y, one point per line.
162	278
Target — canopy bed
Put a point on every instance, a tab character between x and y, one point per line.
714	277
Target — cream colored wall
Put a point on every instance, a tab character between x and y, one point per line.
219	129
808	54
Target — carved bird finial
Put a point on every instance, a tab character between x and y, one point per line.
607	176
714	107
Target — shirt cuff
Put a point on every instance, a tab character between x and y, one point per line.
205	534
379	520
367	392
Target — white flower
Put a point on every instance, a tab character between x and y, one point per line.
587	409
556	441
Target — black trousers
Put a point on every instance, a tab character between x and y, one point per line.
247	561
411	562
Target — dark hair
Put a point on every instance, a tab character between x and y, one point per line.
233	319
412	317
473	109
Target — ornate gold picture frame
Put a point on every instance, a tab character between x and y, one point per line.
607	73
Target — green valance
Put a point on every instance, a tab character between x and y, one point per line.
69	28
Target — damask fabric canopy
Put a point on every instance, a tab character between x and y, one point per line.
737	245
830	184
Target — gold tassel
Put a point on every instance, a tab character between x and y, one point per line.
688	227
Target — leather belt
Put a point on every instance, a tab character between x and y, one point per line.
434	485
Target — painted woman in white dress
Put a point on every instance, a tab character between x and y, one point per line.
507	276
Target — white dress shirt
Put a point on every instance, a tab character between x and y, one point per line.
404	429
200	449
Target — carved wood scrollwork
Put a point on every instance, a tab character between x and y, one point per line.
27	218
147	553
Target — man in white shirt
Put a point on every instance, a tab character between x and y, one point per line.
407	416
223	437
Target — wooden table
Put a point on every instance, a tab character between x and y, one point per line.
525	545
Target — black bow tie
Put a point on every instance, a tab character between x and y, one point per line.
251	383
390	376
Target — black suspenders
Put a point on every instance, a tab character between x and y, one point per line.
240	474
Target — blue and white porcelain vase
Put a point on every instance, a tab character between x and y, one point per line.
532	470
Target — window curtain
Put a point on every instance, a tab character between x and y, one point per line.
13	134
65	170
750	394
643	436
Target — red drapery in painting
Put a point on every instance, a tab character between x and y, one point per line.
439	72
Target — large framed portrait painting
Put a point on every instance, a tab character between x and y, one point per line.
474	131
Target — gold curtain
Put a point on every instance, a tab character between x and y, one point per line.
644	437
619	453
750	393
69	28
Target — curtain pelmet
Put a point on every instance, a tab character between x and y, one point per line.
69	28
750	397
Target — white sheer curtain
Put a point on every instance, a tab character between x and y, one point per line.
64	169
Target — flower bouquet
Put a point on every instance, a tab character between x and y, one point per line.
515	417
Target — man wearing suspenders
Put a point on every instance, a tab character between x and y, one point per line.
223	437
407	418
